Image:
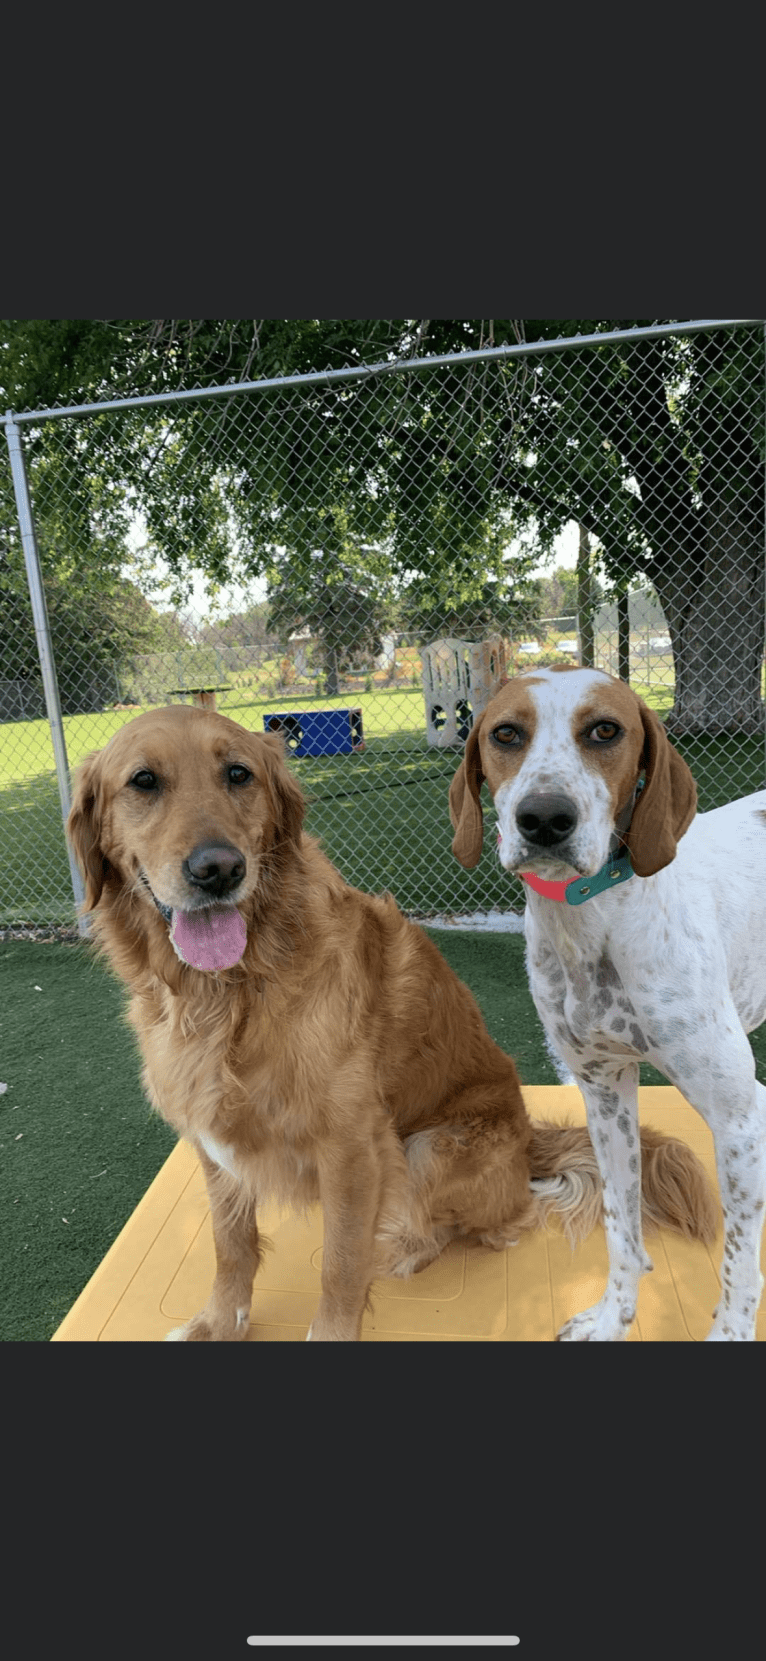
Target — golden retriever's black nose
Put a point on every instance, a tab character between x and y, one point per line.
545	818
215	868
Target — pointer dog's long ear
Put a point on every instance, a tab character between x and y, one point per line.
465	804
667	804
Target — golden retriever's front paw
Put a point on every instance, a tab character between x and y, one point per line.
196	1331
335	1328
204	1329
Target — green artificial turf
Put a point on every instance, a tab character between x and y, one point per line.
79	1143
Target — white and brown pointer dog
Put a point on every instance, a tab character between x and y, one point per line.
645	927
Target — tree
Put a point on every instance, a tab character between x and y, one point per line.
667	473
655	448
501	595
241	630
584	600
562	592
337	604
99	623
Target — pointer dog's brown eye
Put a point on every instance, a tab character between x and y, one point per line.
239	775
507	734
604	732
144	780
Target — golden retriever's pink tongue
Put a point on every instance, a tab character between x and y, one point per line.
213	939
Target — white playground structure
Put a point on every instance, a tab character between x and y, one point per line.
459	678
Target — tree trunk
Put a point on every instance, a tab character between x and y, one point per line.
331	677
623	636
584	602
714	609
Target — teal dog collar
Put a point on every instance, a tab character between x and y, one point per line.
580	889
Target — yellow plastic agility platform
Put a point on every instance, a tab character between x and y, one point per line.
160	1269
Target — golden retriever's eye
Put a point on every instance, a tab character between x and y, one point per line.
239	775
144	780
508	735
604	732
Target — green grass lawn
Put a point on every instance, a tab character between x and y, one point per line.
382	814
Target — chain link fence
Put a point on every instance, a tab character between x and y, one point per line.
357	558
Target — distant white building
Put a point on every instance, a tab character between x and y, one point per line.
657	643
298	644
388	655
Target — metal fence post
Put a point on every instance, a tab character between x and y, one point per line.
43	635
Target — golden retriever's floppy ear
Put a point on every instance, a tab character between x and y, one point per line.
84	827
288	800
465	805
667	803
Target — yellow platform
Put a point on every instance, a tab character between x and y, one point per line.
160	1269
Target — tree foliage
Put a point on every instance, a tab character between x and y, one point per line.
453	477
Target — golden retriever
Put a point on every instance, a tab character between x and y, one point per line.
309	1041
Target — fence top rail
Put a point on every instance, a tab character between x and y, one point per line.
527	349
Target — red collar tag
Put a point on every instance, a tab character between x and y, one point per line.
577	890
550	890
